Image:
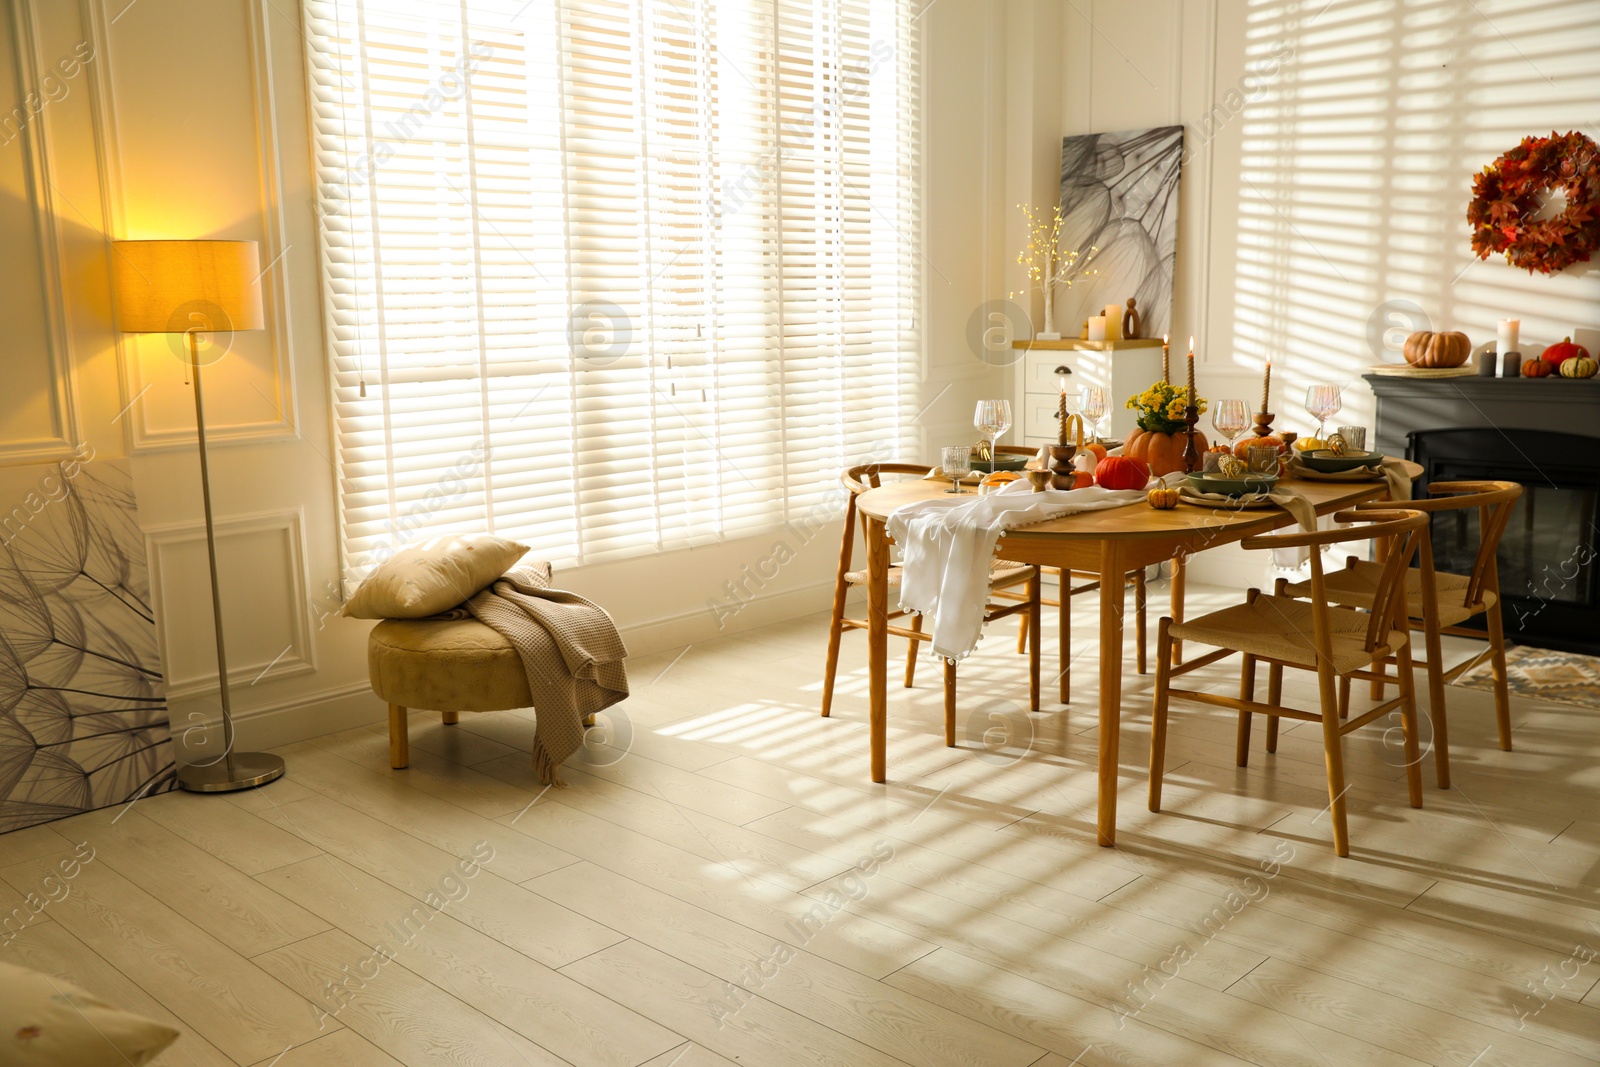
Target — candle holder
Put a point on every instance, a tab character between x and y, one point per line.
1064	474
1263	423
1191	451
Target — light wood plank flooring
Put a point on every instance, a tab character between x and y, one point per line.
719	883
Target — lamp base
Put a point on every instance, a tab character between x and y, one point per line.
250	769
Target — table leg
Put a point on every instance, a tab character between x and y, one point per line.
877	643
1112	576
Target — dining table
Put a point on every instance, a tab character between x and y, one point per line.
1109	542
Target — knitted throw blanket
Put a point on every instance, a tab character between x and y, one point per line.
570	649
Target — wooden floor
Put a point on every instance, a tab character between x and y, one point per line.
720	883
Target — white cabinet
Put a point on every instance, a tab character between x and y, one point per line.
1122	368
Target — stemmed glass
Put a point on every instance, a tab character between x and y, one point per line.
993	419
1230	417
1092	406
1323	401
955	461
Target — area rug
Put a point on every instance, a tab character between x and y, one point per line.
1543	674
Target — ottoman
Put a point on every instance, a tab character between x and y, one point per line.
448	665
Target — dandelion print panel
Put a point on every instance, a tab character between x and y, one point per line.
1119	205
83	711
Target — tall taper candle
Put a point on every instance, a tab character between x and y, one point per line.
1191	371
1061	412
1166	368
1266	385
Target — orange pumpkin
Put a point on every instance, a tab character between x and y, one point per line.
1245	444
1162	451
1563	350
1426	349
1082	480
1162	498
1537	368
1122	472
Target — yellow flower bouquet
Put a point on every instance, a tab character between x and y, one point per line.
1161	407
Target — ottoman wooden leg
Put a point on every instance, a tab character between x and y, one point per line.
399	743
450	717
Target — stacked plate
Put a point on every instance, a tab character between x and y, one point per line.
1324	461
1244	485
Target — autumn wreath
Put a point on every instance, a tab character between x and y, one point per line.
1506	197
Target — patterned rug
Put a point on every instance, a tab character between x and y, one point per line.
1544	674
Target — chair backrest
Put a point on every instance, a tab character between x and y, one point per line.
1404	529
1495	501
858	480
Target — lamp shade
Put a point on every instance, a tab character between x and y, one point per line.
177	286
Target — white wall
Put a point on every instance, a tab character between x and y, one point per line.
1330	153
189	120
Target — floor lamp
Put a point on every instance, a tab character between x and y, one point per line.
193	288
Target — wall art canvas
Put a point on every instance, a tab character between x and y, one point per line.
1119	195
83	711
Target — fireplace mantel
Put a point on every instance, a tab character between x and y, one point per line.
1406	404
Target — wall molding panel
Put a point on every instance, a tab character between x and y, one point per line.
258	374
271	594
61	438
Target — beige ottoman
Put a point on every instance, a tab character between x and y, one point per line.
449	666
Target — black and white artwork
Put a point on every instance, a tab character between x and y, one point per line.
1119	196
83	711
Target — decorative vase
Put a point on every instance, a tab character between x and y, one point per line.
1162	451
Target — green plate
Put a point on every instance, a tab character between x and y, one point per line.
1325	462
1008	462
1249	484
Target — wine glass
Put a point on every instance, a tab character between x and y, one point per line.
1323	401
1230	417
1092	406
993	419
955	461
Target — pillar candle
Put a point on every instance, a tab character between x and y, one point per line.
1113	317
1097	328
1507	342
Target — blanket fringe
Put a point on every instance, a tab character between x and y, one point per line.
548	770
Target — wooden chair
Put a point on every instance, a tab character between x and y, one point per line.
1063	603
1002	576
1335	642
1444	600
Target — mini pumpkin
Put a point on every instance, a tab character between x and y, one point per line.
1579	367
1162	497
1537	368
1426	349
1563	350
1122	472
1232	467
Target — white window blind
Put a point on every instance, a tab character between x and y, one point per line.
618	277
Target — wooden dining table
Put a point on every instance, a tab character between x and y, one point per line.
1109	542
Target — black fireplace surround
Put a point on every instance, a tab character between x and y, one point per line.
1549	558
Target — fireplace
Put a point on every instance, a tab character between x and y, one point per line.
1543	433
1549	558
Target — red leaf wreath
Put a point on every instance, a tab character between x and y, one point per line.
1506	196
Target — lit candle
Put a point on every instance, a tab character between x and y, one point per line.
1507	340
1191	400
1061	412
1166	369
1097	328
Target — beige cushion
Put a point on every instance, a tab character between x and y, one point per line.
1281	628
432	577
46	1020
445	665
1356	586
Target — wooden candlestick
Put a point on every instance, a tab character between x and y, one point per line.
1263	423
1191	452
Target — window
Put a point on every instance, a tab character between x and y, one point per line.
611	277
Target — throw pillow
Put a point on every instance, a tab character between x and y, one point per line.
48	1021
433	576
